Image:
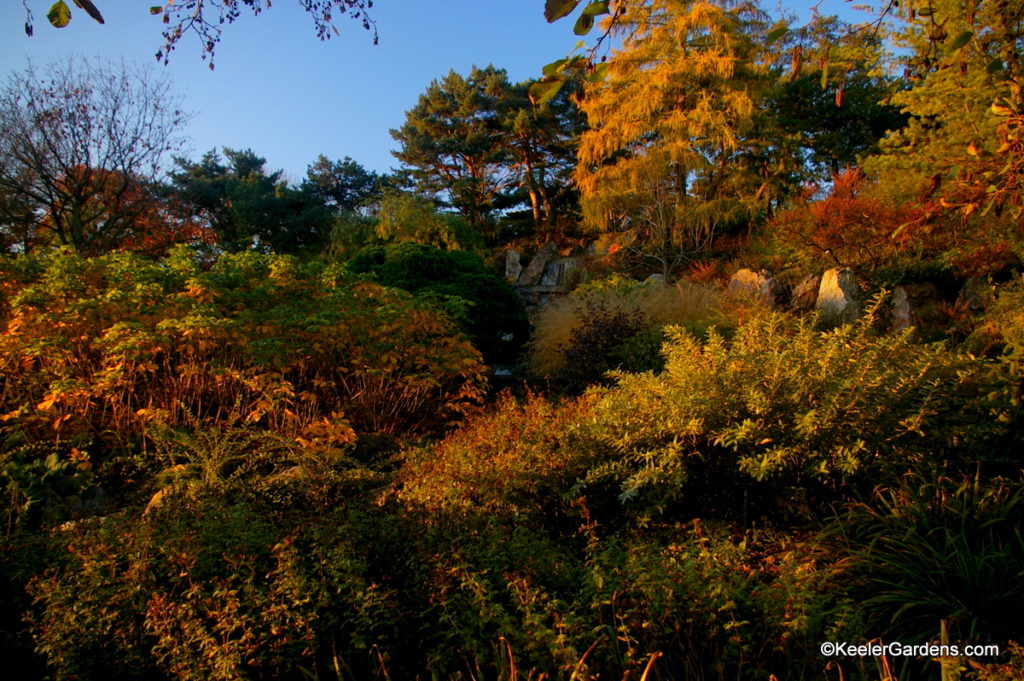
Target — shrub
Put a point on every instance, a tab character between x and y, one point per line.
713	603
934	549
802	413
98	354
484	305
207	587
521	459
624	317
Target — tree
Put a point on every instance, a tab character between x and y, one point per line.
479	145
82	147
670	157
344	186
451	144
191	16
247	207
964	63
542	140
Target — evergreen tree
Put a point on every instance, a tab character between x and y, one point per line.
451	145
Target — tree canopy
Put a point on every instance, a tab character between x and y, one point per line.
81	146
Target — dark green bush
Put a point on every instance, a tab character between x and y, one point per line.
494	319
933	550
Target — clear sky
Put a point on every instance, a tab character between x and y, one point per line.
279	91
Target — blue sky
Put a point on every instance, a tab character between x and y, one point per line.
279	91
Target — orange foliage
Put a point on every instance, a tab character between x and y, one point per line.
119	212
851	229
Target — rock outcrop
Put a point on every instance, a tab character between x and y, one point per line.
838	296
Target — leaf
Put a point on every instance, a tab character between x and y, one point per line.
156	10
90	9
824	75
544	90
553	68
556	9
595	9
961	40
583	24
994	65
59	14
599	73
777	32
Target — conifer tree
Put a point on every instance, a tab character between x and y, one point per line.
667	156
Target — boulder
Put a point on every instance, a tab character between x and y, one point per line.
805	293
975	295
513	265
561	273
838	296
760	285
902	315
534	270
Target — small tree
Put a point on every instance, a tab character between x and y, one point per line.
79	145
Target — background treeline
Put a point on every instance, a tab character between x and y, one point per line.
245	425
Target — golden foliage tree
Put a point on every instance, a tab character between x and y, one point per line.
669	157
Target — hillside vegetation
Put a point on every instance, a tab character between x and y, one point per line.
249	430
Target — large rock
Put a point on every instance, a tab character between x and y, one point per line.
513	265
902	315
975	295
919	306
838	296
805	294
535	269
760	285
561	273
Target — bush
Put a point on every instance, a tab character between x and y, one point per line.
936	549
521	459
99	354
615	324
482	303
803	414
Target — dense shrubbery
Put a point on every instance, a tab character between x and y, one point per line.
615	324
806	414
100	357
599	537
480	301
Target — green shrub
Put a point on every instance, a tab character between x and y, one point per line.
484	305
615	324
937	549
785	414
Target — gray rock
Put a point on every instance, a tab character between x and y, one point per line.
902	315
513	265
533	272
561	273
760	285
805	294
975	295
838	296
656	279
